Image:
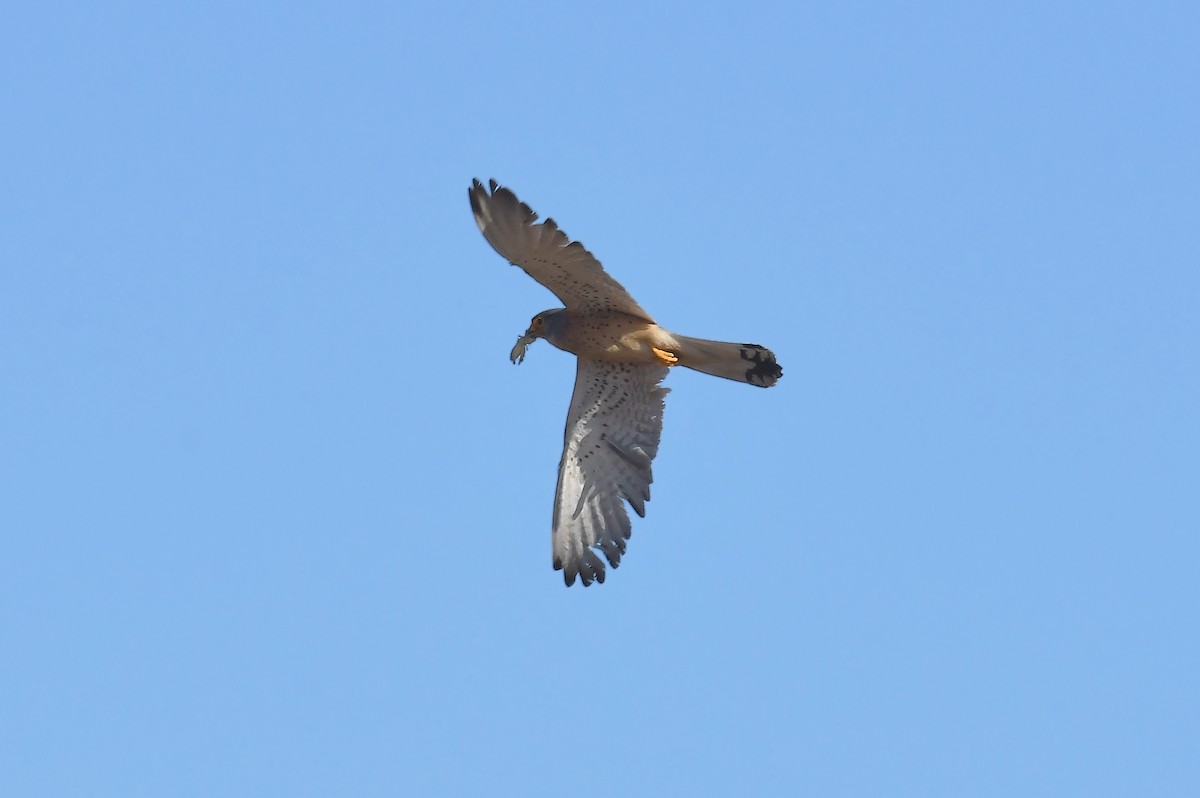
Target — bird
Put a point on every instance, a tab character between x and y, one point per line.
614	422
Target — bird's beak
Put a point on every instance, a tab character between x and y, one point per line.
518	351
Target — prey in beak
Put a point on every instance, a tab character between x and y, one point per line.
517	356
537	329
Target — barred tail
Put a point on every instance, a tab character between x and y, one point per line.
750	363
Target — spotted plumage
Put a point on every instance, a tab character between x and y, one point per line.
615	419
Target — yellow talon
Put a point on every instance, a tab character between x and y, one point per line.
664	357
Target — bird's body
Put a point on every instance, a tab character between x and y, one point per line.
607	335
615	419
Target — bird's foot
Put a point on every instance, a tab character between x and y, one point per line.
664	357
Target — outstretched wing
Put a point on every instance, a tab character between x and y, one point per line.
546	254
613	429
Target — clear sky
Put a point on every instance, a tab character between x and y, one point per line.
275	507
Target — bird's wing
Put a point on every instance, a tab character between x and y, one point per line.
612	434
546	254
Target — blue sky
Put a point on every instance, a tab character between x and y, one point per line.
275	506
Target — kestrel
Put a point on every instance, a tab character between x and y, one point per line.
615	419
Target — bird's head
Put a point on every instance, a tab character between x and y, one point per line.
546	325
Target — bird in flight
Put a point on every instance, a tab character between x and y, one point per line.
615	419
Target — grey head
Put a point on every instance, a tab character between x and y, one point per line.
548	324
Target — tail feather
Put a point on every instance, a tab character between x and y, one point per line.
749	363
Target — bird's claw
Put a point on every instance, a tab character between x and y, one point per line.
665	357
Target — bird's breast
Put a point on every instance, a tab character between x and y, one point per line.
612	336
